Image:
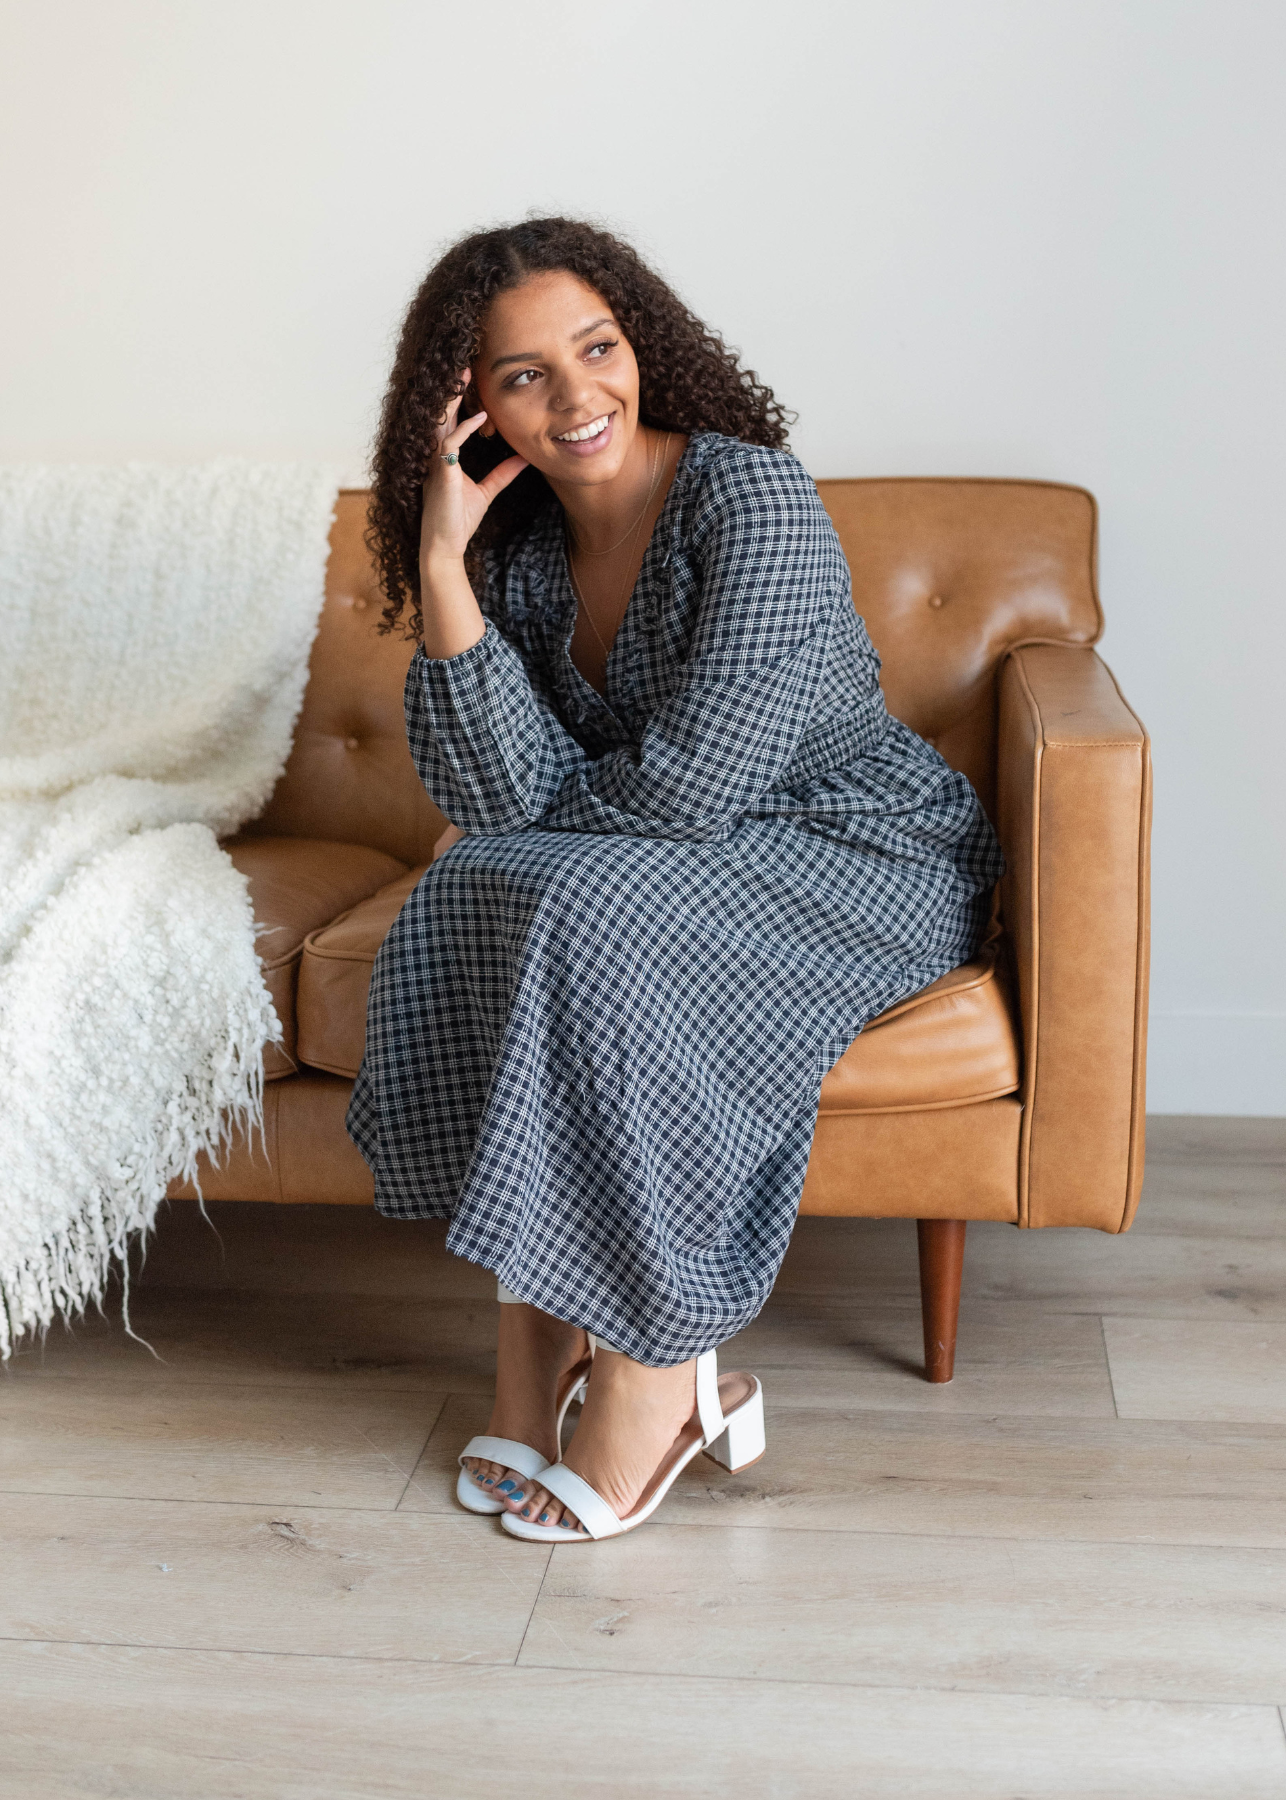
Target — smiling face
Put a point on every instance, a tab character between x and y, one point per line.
558	379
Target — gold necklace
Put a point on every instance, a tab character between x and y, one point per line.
657	466
589	617
592	554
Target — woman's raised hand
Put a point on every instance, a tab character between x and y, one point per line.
453	504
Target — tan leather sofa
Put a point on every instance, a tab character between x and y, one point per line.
1011	1089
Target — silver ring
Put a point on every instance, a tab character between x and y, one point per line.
450	458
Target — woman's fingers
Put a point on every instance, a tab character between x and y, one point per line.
500	477
449	444
453	504
460	434
448	421
452	412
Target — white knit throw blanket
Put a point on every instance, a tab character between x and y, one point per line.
155	625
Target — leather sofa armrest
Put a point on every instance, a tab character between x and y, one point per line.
1074	804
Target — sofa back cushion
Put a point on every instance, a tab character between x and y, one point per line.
350	778
948	575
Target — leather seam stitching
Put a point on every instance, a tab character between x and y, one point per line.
282	962
1138	1073
1031	1047
916	1001
864	1112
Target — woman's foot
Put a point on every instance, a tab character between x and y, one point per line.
534	1356
630	1419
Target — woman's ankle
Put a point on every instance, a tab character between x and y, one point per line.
527	1334
620	1373
535	1353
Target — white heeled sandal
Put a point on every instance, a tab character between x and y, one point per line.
528	1462
734	1439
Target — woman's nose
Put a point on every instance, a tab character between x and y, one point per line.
570	391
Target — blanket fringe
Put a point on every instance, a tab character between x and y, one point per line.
71	1269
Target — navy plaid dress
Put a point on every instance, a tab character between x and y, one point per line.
598	1029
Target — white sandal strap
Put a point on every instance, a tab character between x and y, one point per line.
589	1506
508	1451
709	1409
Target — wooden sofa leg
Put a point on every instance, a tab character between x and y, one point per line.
942	1243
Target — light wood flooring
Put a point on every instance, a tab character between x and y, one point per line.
233	1568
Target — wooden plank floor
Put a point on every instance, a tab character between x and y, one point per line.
233	1568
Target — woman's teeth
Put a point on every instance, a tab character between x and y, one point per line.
582	432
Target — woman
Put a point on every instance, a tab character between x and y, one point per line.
700	855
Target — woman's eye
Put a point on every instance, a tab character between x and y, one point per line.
606	345
524	377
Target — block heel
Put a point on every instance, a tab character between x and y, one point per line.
742	1442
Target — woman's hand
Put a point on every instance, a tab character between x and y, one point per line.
453	510
453	505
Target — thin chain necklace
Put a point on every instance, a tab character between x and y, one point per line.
658	463
591	554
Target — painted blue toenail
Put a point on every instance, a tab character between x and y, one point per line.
507	1487
543	1517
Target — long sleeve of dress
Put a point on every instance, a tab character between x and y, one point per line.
773	589
490	750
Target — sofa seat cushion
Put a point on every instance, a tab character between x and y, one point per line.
952	1044
297	884
335	978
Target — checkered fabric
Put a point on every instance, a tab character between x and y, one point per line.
598	1029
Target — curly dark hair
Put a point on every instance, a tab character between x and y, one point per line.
689	380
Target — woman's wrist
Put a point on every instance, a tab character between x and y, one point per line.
444	648
452	619
441	567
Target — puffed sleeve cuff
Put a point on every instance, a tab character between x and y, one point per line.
479	736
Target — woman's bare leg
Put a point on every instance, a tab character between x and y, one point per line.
533	1353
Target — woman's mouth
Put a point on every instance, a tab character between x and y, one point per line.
588	439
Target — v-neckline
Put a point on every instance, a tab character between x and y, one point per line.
628	616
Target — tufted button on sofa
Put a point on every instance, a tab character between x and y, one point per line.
1010	1089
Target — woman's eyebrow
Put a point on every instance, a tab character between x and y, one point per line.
530	356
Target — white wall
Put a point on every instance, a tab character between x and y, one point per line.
960	236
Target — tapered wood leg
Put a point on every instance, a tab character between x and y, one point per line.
942	1243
